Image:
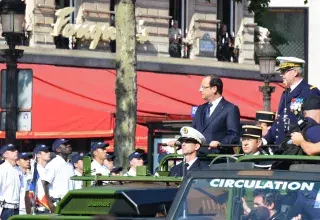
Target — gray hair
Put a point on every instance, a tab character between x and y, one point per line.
300	71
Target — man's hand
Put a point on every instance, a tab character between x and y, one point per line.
214	144
172	143
245	206
299	217
297	138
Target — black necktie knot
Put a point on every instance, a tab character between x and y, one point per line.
288	90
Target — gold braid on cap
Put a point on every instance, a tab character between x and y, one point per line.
286	65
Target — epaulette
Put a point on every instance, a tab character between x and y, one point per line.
312	87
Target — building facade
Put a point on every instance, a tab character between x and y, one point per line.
199	21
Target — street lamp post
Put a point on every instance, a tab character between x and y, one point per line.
12	18
267	61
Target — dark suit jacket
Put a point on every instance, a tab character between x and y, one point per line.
177	170
223	124
276	133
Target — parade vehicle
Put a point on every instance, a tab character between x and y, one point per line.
226	191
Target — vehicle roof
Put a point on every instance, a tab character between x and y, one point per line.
258	174
130	186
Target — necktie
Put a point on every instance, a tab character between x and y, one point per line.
186	165
208	110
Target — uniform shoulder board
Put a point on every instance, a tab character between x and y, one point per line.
312	87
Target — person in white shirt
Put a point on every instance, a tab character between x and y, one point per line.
36	191
99	154
56	181
10	182
135	160
77	162
23	163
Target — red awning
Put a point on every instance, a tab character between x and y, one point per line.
80	102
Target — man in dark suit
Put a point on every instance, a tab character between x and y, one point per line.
297	90
190	140
218	120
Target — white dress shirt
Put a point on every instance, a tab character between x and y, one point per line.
191	162
97	168
58	173
214	104
25	182
292	87
131	172
10	183
77	184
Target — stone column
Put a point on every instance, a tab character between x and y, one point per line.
41	17
204	24
155	14
248	34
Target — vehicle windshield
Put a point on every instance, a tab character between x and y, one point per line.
249	199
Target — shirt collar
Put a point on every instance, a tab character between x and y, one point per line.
192	162
6	163
292	87
77	172
131	172
96	162
59	158
216	102
256	153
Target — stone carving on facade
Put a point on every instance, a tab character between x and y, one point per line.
263	34
190	39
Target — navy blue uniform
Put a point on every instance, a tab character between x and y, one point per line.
197	165
277	131
306	206
313	133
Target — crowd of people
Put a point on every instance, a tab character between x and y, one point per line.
35	182
226	50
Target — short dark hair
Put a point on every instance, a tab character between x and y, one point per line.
216	81
269	197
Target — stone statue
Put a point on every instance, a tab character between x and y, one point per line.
264	34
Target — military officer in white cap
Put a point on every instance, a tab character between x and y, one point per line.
297	90
190	140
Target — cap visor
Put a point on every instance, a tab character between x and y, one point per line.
182	139
251	136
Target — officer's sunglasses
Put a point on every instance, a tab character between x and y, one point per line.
282	72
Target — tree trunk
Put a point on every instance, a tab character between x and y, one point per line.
126	82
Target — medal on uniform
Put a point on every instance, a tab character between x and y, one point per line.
295	105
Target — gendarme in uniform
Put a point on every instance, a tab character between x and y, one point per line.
298	89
